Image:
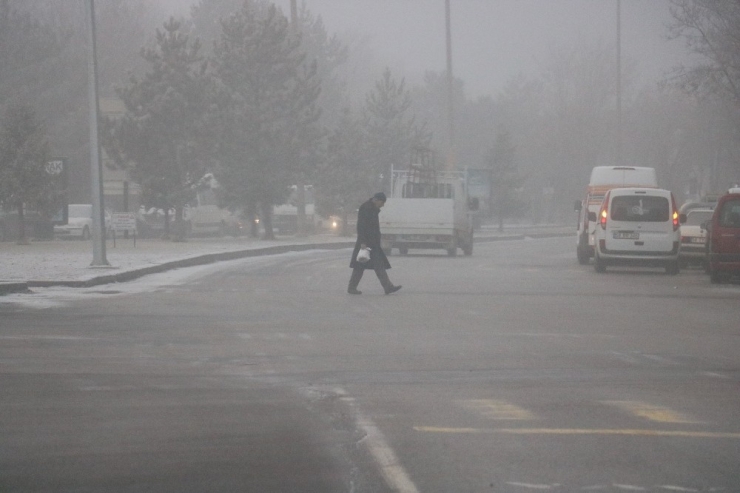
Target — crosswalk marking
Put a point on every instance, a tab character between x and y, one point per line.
651	412
497	409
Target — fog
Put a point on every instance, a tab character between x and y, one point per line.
495	40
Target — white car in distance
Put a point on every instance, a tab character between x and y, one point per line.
79	222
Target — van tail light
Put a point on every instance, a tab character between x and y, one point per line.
674	216
604	211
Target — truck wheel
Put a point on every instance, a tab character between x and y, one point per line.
468	250
403	250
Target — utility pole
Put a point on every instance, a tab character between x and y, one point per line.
620	159
300	185
452	151
96	172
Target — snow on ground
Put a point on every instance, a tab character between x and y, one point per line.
64	260
51	297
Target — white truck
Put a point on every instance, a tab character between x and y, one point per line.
603	179
427	209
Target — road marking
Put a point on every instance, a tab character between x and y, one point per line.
651	412
390	466
675	488
579	431
629	487
499	410
530	486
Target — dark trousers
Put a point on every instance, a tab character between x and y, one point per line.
379	268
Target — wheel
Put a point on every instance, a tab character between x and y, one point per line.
714	276
468	250
582	256
452	252
599	265
672	268
403	250
85	233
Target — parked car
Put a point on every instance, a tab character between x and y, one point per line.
694	237
37	225
723	245
79	222
638	226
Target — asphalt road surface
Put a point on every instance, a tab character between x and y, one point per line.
514	370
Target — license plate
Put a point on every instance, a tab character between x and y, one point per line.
697	239
626	235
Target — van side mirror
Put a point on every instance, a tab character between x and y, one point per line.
473	204
592	216
577	206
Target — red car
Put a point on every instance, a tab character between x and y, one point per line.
723	233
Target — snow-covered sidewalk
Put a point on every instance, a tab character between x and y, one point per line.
66	262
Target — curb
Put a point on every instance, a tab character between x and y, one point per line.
13	287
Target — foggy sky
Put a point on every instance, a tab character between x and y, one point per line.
495	40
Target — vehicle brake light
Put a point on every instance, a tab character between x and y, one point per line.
604	212
676	222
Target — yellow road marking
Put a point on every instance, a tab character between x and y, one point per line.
579	431
651	412
495	409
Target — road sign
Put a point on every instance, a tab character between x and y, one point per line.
123	221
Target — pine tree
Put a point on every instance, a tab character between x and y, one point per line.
391	131
267	107
24	155
167	131
505	178
343	179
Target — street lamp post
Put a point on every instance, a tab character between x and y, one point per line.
96	172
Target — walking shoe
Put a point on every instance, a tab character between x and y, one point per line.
354	291
393	289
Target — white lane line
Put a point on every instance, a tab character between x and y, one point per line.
675	488
629	487
530	486
390	467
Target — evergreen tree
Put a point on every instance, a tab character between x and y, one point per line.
391	131
342	180
24	155
167	131
505	178
267	106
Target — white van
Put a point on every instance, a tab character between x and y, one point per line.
603	179
637	226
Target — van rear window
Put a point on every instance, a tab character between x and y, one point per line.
729	216
637	208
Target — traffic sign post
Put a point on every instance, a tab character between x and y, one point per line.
123	221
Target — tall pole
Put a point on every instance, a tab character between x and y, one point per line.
96	172
300	185
620	160
451	156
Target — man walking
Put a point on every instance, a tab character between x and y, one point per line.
368	236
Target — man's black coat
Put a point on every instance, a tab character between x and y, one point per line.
368	233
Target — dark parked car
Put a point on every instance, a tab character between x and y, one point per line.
37	225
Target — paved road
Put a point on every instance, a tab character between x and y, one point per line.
513	370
